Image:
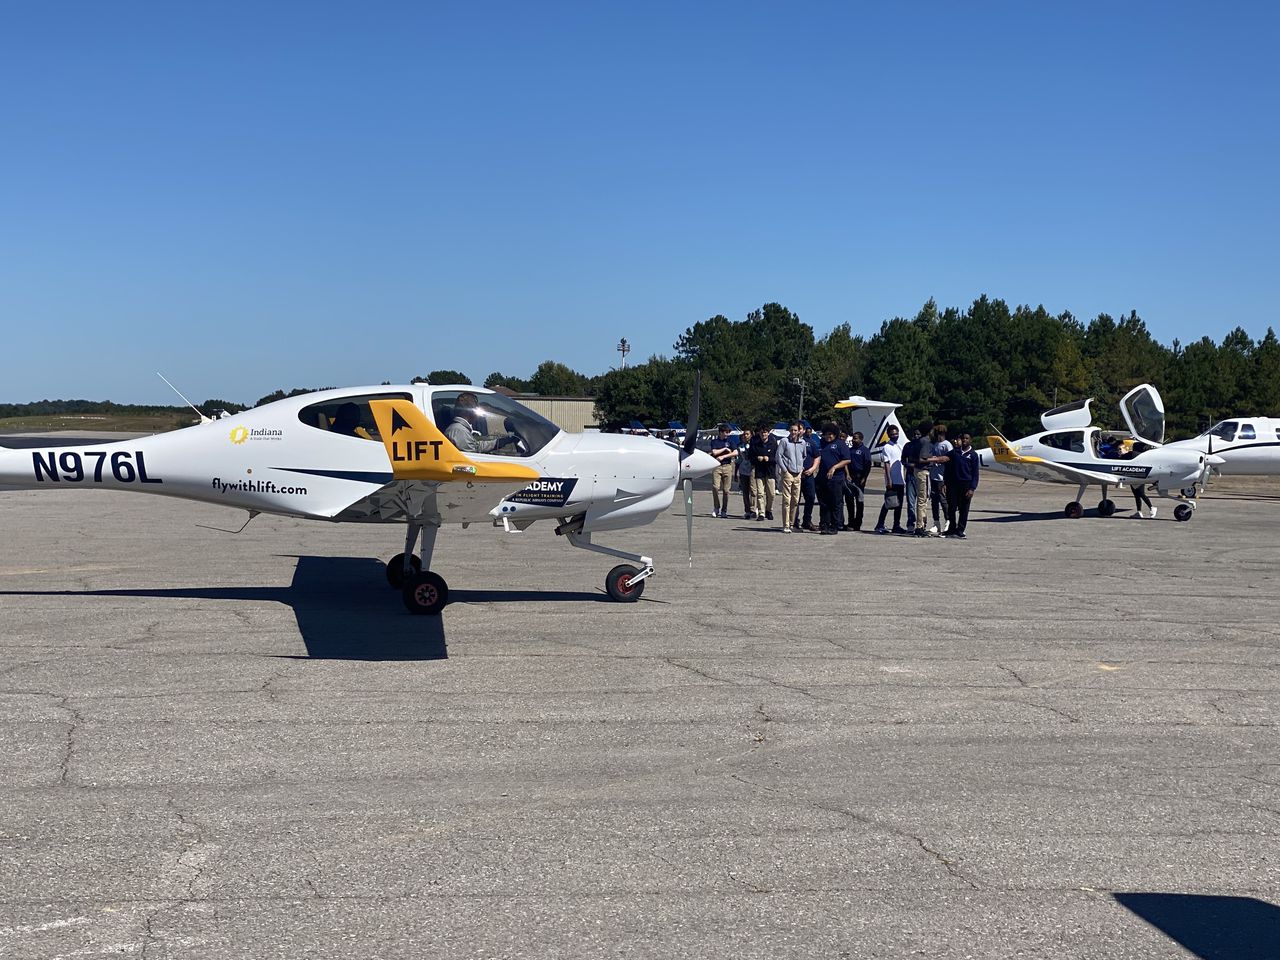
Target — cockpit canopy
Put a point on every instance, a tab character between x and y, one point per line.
1068	416
493	415
1143	411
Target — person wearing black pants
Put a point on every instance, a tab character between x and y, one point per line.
962	480
1139	498
832	460
856	488
894	481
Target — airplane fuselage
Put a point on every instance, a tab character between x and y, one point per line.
287	458
1248	446
1079	450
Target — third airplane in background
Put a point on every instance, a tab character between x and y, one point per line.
1071	450
1245	445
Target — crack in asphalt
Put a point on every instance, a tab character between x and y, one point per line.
681	665
68	748
1013	673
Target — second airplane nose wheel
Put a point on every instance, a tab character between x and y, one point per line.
621	586
425	592
1106	508
395	569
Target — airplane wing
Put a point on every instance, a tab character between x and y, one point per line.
1036	468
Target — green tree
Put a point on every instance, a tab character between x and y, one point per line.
554	379
442	377
497	379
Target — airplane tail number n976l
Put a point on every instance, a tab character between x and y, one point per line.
418	454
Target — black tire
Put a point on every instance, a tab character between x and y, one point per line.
619	586
1106	508
1073	510
1183	512
395	569
425	593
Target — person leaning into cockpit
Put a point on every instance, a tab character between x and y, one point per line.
462	431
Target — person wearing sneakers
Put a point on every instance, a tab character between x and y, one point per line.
962	481
938	479
764	463
894	482
725	449
793	461
918	455
1139	498
745	471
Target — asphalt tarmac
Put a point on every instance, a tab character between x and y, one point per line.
1055	739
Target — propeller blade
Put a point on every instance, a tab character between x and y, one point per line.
695	407
688	514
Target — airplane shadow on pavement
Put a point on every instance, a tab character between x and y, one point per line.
1210	927
344	608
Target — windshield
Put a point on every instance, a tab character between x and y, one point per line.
1226	430
494	417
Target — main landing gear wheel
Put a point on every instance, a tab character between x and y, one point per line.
1183	512
1073	510
620	586
425	592
395	569
1106	508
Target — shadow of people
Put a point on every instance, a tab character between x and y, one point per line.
1212	928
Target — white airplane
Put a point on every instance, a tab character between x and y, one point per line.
382	454
1069	450
1246	445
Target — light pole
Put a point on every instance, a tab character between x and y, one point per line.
623	348
799	383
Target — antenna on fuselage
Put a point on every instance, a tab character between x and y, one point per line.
203	418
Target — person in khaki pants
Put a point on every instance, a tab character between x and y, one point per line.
725	449
793	461
764	462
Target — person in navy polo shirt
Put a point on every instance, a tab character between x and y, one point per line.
855	492
962	480
832	459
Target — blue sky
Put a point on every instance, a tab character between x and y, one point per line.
252	196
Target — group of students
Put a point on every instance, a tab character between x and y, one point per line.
833	469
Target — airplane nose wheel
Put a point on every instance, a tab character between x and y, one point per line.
395	569
1106	508
425	592
1183	512
621	586
1073	510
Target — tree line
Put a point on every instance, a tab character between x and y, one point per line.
984	365
981	366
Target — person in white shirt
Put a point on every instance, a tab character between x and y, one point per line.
895	482
937	479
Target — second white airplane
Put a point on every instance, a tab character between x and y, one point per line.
1070	450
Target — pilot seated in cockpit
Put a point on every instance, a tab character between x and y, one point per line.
462	431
